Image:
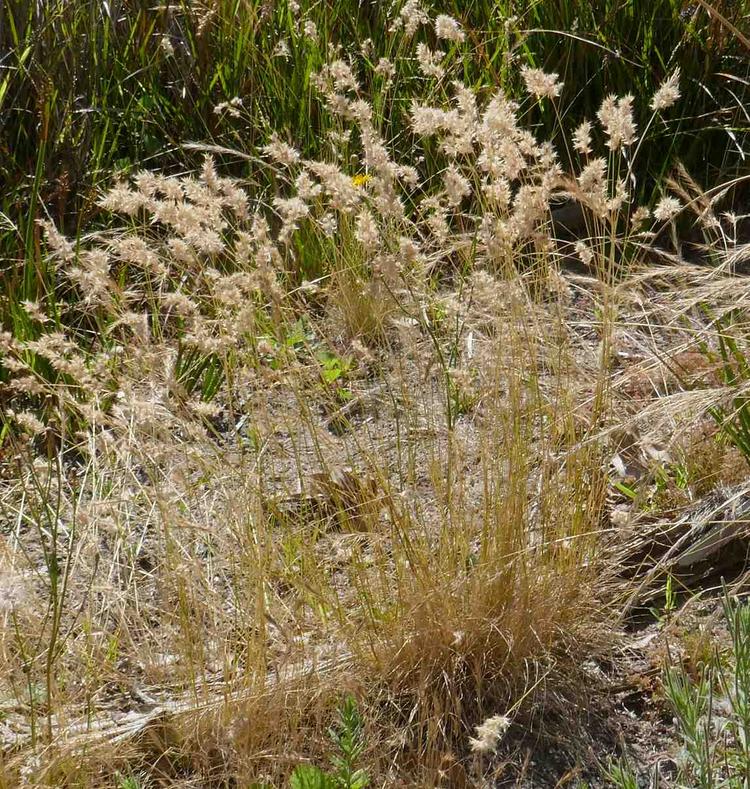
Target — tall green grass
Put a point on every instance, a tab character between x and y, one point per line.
91	88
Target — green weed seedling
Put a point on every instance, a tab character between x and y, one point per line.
621	774
691	701
129	782
712	712
348	741
333	371
664	614
294	342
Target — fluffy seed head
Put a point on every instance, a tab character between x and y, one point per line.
456	186
27	421
640	215
584	252
582	138
489	734
385	69
616	116
667	208
310	30
367	231
668	92
411	16
593	175
280	152
540	84
429	61
447	28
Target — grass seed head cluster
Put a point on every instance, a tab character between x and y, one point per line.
272	443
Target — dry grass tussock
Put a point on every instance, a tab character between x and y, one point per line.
234	489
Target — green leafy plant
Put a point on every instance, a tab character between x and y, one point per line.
664	614
333	372
129	782
622	775
691	701
349	743
713	710
296	338
711	707
199	373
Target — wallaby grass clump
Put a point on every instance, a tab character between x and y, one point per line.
349	432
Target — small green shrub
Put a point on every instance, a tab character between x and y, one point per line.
712	711
711	714
349	743
620	773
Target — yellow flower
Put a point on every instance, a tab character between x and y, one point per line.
361	179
